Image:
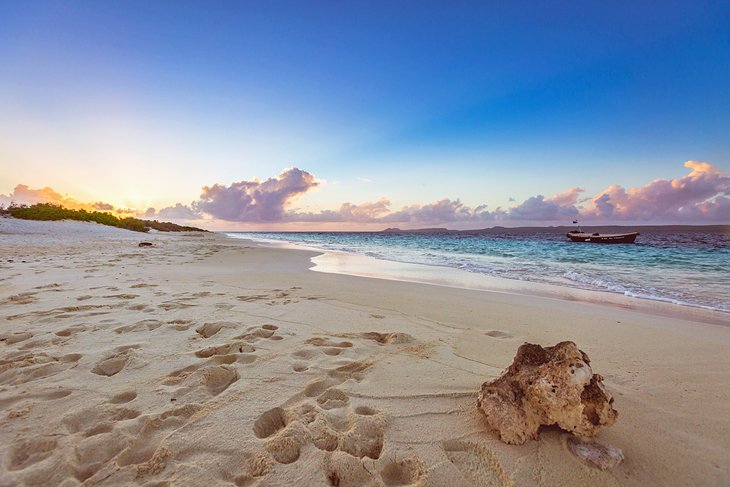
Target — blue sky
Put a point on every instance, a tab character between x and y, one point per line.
482	101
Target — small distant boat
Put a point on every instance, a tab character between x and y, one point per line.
605	238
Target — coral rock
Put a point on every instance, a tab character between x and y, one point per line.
596	454
547	386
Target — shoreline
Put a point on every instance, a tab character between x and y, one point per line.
359	265
124	365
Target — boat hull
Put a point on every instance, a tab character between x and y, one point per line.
619	238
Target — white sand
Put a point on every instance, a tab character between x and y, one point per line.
206	360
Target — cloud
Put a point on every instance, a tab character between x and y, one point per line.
538	208
100	206
347	212
23	195
177	212
254	201
558	207
702	196
445	211
699	196
442	211
568	197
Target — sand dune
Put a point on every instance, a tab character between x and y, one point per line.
206	360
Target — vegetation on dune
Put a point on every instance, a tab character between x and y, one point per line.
170	227
48	211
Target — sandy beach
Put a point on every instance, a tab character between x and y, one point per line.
207	360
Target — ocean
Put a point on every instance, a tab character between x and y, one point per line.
690	269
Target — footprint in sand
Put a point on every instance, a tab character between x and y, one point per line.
23	367
217	379
144	325
22	298
146	450
25	409
353	370
304	353
272	328
343	470
123	397
230	348
180	325
286	431
198	383
478	465
365	437
498	334
329	347
93	420
112	365
140	307
408	471
255	333
207	330
251	468
253	297
54	395
13	337
299	366
170	305
394	338
318	386
54	286
25	452
333	399
71	330
326	342
179	375
92	453
122	296
269	423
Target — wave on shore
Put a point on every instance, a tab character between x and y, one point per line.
684	269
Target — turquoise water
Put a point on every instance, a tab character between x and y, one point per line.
685	269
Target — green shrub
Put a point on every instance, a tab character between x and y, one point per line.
49	211
133	224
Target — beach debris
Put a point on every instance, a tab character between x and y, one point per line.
597	454
547	386
145	244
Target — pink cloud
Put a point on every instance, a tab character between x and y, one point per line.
568	197
254	201
442	211
101	206
700	195
177	212
538	208
23	195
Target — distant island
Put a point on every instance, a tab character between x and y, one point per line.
50	212
564	229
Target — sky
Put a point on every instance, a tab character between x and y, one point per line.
362	115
